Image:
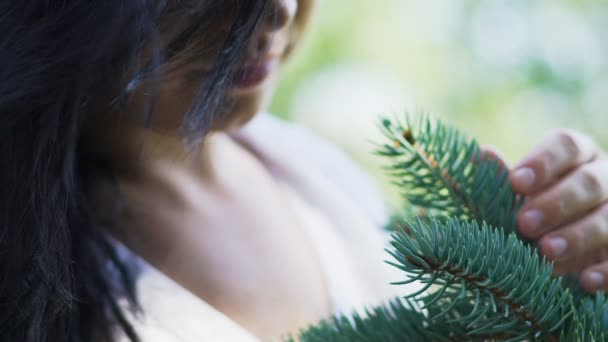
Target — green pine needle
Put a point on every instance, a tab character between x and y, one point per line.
590	323
510	284
401	320
441	170
481	282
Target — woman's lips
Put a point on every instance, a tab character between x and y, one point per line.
255	74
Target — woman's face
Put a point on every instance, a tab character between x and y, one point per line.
254	82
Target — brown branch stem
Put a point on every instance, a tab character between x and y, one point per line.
500	295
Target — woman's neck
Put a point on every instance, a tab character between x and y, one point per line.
132	150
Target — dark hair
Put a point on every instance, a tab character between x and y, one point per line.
62	61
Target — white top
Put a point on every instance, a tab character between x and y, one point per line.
341	212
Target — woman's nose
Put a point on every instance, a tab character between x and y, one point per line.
280	13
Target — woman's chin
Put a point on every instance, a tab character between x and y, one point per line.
241	112
248	103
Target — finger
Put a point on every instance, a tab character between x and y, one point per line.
489	152
580	191
558	153
580	263
595	278
579	239
492	155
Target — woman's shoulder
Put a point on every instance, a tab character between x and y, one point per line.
278	135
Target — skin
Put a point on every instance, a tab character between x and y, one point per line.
243	264
565	181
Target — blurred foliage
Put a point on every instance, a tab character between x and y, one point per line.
506	71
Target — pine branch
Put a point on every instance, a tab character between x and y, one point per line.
401	320
591	321
472	299
510	284
441	170
481	283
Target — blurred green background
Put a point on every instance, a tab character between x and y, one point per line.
507	72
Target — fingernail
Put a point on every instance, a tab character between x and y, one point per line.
524	177
558	246
532	219
595	279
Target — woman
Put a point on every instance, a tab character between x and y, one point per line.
128	135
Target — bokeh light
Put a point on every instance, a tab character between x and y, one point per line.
507	72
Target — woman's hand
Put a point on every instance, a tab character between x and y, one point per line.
565	181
